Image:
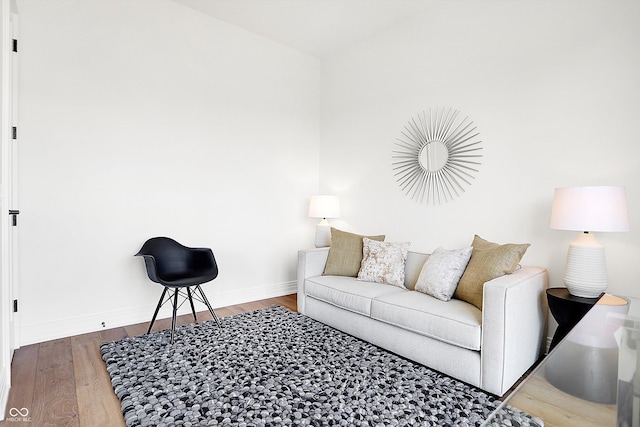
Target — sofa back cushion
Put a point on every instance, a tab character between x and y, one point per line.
412	268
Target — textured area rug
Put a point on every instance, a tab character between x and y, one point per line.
275	367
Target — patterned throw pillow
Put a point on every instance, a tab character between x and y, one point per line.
442	271
383	262
488	261
345	253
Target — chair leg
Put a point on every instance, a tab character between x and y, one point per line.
175	309
155	313
193	309
206	301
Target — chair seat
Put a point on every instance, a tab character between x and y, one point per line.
177	281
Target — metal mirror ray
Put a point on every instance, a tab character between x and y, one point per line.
437	153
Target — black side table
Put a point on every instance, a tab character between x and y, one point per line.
567	310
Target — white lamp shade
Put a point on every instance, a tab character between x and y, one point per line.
323	206
600	208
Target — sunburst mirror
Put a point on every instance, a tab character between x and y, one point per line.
437	153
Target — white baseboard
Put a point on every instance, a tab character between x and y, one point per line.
31	333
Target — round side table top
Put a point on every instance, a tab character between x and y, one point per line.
608	299
563	293
605	299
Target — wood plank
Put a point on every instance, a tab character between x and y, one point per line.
113	334
559	409
23	376
136	329
97	403
289	301
54	398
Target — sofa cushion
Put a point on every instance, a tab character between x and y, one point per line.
455	322
383	262
345	253
488	261
347	292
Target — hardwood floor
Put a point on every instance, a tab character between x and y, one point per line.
64	382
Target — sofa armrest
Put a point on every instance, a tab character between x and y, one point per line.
311	263
514	324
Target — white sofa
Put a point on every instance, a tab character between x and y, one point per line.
489	348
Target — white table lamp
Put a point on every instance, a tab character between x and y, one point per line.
588	209
324	207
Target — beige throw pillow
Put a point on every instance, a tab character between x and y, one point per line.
345	253
383	262
488	261
441	272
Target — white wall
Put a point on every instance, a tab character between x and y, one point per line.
553	88
141	118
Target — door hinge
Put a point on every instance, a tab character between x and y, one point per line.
14	132
15	305
15	45
14	216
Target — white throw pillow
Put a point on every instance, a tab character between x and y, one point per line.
442	271
383	262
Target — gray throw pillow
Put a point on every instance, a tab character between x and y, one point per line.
442	271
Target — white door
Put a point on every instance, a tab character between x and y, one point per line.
12	184
8	196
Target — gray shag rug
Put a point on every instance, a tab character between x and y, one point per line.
274	367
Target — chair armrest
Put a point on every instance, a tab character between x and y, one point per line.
514	324
311	263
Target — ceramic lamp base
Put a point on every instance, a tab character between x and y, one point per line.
586	272
323	234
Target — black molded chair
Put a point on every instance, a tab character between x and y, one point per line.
181	270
